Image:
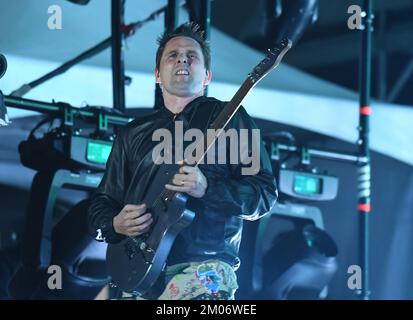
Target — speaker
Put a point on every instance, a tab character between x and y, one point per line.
80	259
299	264
287	254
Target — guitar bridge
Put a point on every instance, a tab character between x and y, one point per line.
130	249
133	246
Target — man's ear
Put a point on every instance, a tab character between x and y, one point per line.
157	76
208	77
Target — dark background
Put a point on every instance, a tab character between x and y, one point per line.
328	49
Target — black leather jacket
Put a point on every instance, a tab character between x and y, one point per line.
215	232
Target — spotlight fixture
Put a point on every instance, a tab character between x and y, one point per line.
3	65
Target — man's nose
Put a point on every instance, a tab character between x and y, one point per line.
182	59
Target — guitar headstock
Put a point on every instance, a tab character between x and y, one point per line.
271	60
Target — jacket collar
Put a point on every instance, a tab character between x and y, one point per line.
165	112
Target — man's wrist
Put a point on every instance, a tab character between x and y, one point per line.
109	233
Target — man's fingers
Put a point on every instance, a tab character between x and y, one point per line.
133	207
138	233
135	231
141	226
131	215
139	220
186	177
184	188
180	176
133	211
191	182
188	169
177	182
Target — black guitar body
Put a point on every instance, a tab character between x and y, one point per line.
136	262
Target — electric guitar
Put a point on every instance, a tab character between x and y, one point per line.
135	263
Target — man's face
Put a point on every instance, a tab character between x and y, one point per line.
182	70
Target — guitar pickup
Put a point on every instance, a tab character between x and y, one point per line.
130	249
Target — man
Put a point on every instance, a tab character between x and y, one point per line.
204	256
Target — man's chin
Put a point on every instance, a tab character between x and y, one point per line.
185	92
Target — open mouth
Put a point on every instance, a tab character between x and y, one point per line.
182	72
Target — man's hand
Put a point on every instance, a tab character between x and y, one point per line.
190	180
133	220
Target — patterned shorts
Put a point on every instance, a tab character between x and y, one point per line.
207	280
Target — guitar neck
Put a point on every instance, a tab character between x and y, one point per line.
229	111
224	118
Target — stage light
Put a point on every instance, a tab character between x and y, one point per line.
289	18
4	119
3	65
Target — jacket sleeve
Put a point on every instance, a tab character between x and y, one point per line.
240	189
107	200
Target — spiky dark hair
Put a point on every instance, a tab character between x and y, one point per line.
190	30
